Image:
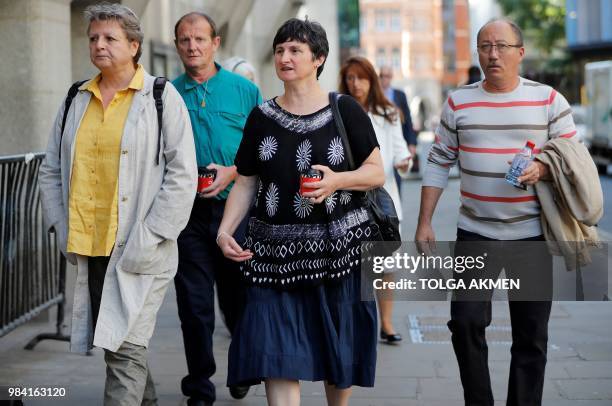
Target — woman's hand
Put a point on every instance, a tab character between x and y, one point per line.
403	165
324	187
231	249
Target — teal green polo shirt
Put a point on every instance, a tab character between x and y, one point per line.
218	117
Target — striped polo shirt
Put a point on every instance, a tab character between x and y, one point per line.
482	131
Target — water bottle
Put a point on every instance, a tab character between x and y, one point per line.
519	163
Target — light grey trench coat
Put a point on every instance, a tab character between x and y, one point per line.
155	202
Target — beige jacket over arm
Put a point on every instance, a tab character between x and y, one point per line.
572	203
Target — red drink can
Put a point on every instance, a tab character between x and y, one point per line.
205	178
312	175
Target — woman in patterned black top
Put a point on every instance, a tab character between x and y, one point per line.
304	319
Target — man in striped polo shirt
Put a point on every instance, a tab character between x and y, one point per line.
482	127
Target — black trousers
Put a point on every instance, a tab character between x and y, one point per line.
96	273
529	320
201	266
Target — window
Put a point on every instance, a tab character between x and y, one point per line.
363	24
422	64
449	62
420	23
589	21
396	21
164	60
381	25
449	46
381	57
396	59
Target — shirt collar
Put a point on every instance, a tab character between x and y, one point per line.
136	83
389	93
93	87
190	83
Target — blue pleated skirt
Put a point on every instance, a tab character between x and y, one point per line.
322	333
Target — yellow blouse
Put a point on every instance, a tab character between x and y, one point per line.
92	214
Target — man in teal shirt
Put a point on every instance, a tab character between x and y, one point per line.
219	103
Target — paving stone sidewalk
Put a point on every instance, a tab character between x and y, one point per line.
419	372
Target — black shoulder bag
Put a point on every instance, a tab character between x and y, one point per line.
383	217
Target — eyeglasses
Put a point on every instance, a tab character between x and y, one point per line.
501	48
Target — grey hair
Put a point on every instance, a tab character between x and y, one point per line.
239	66
518	33
127	19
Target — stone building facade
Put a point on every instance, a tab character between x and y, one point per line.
44	49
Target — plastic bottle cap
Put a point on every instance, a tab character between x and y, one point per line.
530	144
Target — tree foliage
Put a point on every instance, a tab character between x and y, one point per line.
543	25
348	19
542	21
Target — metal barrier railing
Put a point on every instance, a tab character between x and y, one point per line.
32	269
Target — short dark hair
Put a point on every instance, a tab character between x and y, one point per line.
193	16
306	31
515	28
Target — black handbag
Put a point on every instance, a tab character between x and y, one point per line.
383	216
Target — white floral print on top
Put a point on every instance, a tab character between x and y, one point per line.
330	202
335	152
345	197
267	148
272	200
302	206
302	156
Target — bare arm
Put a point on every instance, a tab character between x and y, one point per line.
443	154
237	206
429	200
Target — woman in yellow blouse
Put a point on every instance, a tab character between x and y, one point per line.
118	195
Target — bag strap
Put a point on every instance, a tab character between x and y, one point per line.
333	102
158	91
72	92
334	97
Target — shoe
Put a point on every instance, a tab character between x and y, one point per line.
390	338
239	392
198	402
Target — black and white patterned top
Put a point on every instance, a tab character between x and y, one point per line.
295	242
